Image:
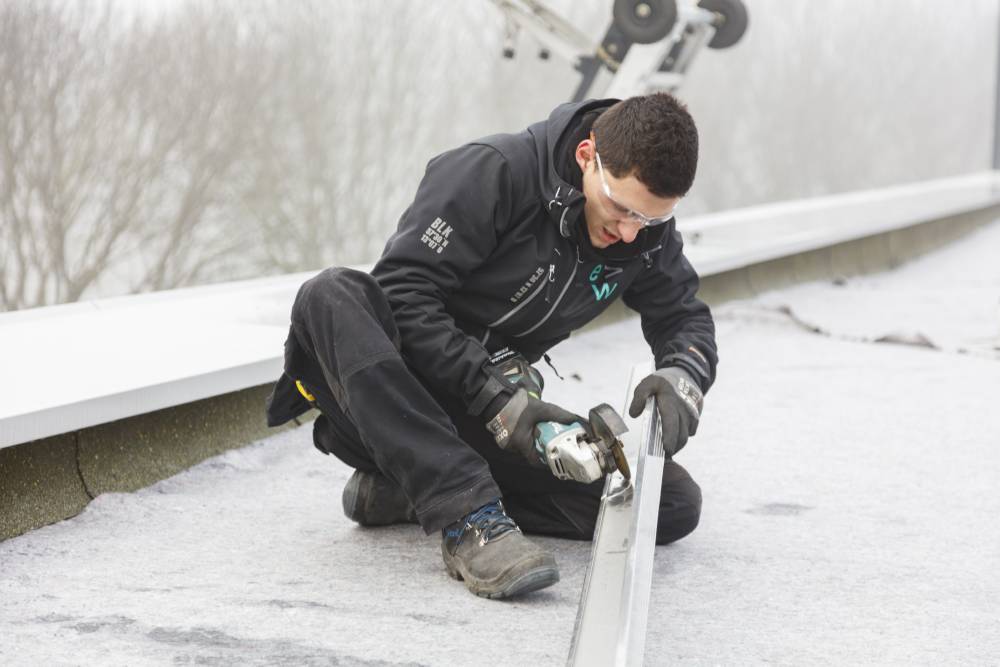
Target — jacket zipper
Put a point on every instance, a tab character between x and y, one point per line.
646	259
569	281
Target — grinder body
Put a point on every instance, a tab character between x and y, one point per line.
573	451
564	447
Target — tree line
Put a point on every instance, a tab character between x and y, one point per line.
145	149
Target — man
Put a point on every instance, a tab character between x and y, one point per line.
421	369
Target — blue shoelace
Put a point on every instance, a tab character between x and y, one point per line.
490	522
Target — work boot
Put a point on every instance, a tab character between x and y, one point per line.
487	550
371	499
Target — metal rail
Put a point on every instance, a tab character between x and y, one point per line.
614	606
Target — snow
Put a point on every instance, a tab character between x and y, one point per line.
850	516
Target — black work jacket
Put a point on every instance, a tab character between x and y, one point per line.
493	253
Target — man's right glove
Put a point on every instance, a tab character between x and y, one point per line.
678	400
513	427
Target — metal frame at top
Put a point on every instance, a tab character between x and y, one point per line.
613	66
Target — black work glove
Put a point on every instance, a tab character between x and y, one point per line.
678	400
513	426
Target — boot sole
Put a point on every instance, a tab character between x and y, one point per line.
541	576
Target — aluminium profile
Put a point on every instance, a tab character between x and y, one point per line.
611	620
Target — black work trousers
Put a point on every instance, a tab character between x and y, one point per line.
377	415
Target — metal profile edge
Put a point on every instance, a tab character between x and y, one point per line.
610	627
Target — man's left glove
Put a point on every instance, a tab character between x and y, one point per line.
678	400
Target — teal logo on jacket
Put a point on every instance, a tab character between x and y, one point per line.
605	289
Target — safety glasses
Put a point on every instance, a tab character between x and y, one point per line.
621	210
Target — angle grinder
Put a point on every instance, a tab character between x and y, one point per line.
575	452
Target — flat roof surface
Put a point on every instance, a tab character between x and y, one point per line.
850	515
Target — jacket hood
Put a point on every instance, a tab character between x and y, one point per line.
563	201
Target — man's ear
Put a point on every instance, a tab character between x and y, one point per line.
584	153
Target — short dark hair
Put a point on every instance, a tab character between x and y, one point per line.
652	137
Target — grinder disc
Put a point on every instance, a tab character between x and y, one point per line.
607	425
619	453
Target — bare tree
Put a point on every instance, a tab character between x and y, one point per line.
341	160
143	151
46	104
121	137
216	76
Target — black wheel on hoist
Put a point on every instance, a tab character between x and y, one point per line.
645	21
731	21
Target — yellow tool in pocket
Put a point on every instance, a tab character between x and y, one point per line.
305	392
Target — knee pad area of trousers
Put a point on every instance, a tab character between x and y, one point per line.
680	506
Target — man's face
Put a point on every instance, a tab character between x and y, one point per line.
609	220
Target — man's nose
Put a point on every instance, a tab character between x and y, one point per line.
628	229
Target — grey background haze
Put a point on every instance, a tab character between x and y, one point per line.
150	146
